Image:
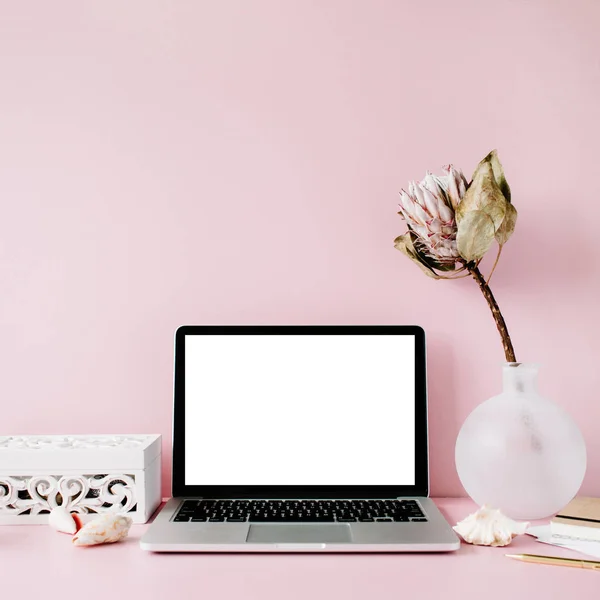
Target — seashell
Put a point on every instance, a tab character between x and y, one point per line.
489	527
106	529
64	521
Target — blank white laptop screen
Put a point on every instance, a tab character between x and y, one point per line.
299	410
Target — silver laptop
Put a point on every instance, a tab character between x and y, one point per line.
300	439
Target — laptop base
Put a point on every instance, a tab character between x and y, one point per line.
434	535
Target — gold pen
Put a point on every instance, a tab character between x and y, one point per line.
557	561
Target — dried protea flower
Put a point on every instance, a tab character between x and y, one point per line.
428	209
452	224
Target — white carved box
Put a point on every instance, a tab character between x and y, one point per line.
87	474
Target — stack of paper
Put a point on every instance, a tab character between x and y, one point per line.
544	535
580	519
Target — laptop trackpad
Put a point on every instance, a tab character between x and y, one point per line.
298	534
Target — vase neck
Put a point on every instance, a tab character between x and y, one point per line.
520	377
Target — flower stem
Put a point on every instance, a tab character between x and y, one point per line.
500	323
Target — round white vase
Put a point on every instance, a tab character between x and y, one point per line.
520	452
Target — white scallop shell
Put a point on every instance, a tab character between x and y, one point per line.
62	520
106	529
489	527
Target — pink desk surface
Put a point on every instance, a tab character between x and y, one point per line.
36	562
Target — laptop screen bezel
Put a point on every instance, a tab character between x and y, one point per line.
421	485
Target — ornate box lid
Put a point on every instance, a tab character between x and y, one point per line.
87	452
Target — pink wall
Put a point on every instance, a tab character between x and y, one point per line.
238	162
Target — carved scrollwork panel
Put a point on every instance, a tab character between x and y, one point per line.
33	495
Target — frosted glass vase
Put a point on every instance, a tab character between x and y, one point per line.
520	452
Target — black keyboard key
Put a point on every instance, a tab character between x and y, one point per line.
181	519
383	519
216	519
366	519
346	519
198	519
235	519
418	520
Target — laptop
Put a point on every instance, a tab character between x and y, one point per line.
300	439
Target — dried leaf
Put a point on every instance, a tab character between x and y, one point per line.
475	235
508	225
405	244
484	195
493	159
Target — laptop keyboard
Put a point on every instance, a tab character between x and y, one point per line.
285	511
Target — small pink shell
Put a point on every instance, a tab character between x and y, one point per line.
106	529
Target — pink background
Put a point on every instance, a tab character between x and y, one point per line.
239	161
